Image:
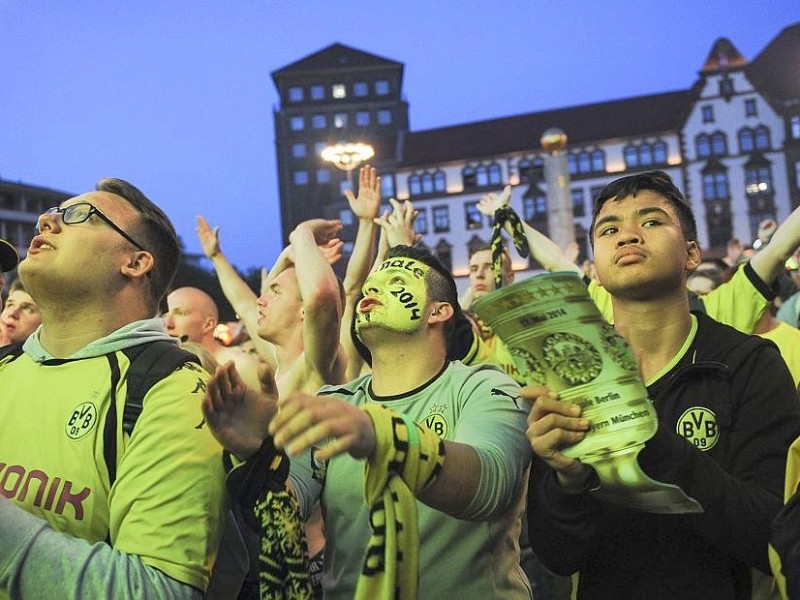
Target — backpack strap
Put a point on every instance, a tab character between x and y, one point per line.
13	350
149	364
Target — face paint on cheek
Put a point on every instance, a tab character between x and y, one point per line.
399	286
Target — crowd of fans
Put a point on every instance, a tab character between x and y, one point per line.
372	437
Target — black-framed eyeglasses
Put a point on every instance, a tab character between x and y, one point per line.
80	213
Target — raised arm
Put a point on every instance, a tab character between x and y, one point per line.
770	260
397	228
365	207
242	298
544	250
319	290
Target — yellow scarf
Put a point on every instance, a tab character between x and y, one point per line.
407	459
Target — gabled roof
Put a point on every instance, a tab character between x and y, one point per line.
335	56
629	117
723	56
776	70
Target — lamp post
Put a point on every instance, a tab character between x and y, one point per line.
347	156
559	201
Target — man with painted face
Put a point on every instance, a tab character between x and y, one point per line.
461	428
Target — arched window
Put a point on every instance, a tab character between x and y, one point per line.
762	138
495	175
598	161
645	155
746	140
439	182
414	186
703	146
719	144
572	164
631	156
584	163
427	183
469	178
660	153
481	176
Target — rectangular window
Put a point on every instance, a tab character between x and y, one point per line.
797	174
295	94
340	120
441	219
421	221
578	203
319	147
387	185
360	89
346	216
338	91
750	109
317	92
362	118
384	117
323	176
344	185
301	177
794	125
297	123
319	121
299	150
474	217
382	87
708	113
715	186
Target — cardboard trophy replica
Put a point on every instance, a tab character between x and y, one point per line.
558	338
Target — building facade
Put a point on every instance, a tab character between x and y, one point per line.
731	142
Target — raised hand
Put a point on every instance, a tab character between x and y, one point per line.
367	204
237	415
332	250
398	226
335	426
323	230
489	203
209	238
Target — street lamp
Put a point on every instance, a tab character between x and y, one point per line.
347	156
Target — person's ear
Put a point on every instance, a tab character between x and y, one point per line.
693	255
139	264
440	312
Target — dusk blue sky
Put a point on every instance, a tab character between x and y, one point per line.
176	96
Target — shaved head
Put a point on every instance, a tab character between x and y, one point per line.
192	315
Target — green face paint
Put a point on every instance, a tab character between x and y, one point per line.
395	295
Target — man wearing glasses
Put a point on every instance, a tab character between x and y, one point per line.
87	510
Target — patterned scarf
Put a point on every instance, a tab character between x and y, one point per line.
502	216
263	493
407	459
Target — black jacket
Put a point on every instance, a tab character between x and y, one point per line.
621	553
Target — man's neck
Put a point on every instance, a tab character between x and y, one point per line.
64	332
655	330
400	368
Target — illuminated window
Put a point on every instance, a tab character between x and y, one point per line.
340	120
338	90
